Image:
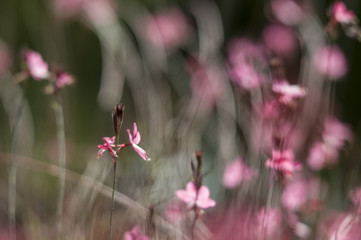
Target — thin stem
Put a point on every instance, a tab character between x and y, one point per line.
113	191
59	118
13	169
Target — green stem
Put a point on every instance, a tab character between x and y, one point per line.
59	117
114	184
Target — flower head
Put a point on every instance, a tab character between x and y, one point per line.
288	92
196	198
330	62
63	79
237	172
38	69
107	146
341	14
134	139
135	234
284	162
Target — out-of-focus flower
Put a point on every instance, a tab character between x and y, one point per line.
134	139
280	39
322	155
288	92
299	192
284	161
355	196
174	211
207	83
246	76
107	146
168	28
330	62
237	172
196	198
341	14
326	152
38	69
288	11
72	8
335	133
341	226
63	79
6	59
246	61
135	234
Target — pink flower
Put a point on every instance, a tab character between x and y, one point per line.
193	197
330	62
135	140
63	79
280	39
107	146
335	133
135	234
174	211
168	28
37	67
284	162
341	14
288	92
236	172
298	192
287	11
322	154
246	76
355	196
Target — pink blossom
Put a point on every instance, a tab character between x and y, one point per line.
37	67
246	76
287	11
288	92
322	154
174	211
330	62
243	50
107	146
355	196
237	172
168	28
335	133
284	162
63	79
135	234
280	39
134	139
299	192
341	226
341	14
196	198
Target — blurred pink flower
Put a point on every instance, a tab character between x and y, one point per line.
174	211
134	139
243	50
207	83
280	39
63	79
330	62
287	11
299	192
168	28
268	223
341	226
321	154
246	76
336	133
196	198
135	234
288	92
237	172
284	162
38	69
341	14
355	196
107	146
